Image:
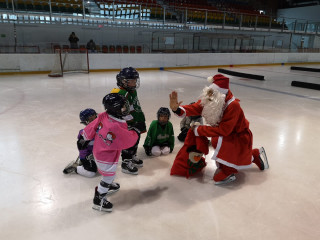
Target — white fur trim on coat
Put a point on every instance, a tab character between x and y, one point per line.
196	131
184	113
233	165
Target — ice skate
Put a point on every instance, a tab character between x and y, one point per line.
128	167
263	157
114	187
228	179
72	167
101	203
137	162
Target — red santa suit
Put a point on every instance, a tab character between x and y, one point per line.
232	138
230	135
184	163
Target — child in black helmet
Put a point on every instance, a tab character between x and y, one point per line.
185	125
128	82
160	136
84	165
111	135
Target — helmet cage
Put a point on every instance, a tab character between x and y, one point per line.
116	105
125	75
125	110
119	111
125	84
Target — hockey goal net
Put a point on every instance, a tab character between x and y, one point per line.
70	61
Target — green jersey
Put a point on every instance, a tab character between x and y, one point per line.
135	107
160	135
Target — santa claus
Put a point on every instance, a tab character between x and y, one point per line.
226	125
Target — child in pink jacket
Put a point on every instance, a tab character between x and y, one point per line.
111	135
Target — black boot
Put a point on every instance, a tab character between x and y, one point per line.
101	203
128	167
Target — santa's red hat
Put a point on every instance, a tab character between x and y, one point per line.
219	82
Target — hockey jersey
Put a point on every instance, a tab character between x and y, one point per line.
160	136
135	108
111	135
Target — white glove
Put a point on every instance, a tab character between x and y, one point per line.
194	124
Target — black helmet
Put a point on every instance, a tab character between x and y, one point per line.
116	105
163	111
86	114
125	75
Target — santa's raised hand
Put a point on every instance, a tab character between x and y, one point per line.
174	104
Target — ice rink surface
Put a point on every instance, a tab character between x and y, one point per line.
39	123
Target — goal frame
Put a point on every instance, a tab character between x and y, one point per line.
62	55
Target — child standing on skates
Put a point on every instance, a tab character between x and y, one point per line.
128	81
111	135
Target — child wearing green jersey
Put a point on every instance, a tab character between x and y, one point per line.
160	136
128	81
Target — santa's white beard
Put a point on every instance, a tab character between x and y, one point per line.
213	106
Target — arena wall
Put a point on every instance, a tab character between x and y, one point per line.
44	62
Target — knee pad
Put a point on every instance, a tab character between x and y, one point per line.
156	151
89	164
165	150
83	172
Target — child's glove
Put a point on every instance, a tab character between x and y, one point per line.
184	129
90	158
148	150
194	124
141	126
131	128
82	144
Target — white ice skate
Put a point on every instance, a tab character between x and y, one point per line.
263	157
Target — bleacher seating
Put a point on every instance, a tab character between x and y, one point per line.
139	49
82	48
105	49
151	9
132	49
130	9
229	12
3	4
112	49
56	47
98	48
118	49
65	47
125	49
57	6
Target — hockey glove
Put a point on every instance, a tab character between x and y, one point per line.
184	129
90	157
141	126
148	150
131	128
90	164
82	144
